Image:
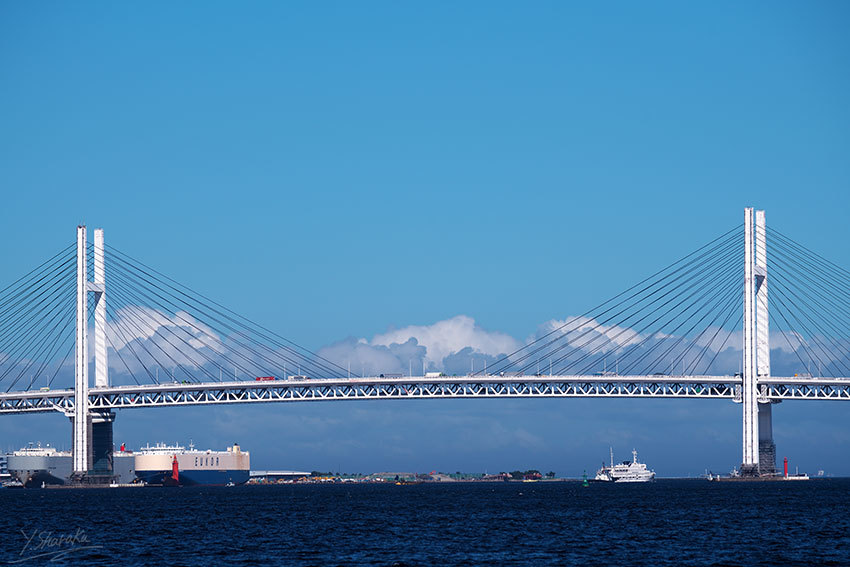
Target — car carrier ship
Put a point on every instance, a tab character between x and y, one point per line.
163	464
35	466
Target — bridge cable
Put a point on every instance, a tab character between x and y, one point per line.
650	336
695	272
121	358
808	251
781	300
151	272
40	344
26	330
715	288
47	266
735	307
36	294
130	299
632	302
802	346
817	290
732	302
788	284
673	278
718	290
786	259
793	298
820	275
71	338
119	326
203	332
294	362
141	333
728	336
157	325
721	293
624	323
506	361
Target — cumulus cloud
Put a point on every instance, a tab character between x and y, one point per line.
453	346
459	346
448	337
588	334
142	337
133	322
365	359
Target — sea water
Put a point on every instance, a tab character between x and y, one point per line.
667	522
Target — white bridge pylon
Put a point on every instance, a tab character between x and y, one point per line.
758	448
81	415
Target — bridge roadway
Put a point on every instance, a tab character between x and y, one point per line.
173	394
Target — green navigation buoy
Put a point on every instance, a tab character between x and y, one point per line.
584	479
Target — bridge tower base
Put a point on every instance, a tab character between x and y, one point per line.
78	475
767	448
102	444
100	449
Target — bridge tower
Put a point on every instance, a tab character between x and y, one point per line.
759	450
92	430
81	417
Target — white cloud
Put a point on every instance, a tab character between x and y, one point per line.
135	322
448	337
457	345
181	340
454	345
588	334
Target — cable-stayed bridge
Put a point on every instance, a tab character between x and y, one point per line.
698	328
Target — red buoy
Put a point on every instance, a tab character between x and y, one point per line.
786	467
175	472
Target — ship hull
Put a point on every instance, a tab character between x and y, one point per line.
194	477
194	468
34	471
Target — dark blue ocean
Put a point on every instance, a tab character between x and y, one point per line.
668	522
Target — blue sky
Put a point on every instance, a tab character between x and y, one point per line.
338	170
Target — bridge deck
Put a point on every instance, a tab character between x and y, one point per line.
171	394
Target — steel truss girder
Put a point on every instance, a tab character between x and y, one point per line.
164	395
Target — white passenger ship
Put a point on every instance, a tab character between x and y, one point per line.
627	471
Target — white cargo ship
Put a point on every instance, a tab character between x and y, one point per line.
36	466
163	464
627	471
